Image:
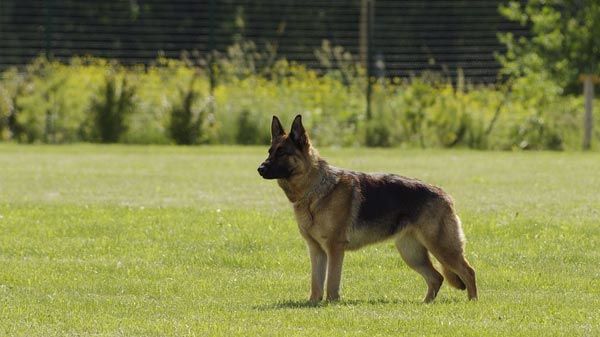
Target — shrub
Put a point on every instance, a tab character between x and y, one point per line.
378	134
112	104
248	130
535	134
53	98
186	118
11	89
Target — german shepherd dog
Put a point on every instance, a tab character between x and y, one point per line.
339	210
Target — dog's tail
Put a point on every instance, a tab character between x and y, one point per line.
453	279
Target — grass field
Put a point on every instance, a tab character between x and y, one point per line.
184	241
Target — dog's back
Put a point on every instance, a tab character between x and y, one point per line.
388	203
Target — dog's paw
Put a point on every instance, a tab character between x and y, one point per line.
333	298
315	299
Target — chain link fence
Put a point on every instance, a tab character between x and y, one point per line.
400	39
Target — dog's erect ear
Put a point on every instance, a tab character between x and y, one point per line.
276	128
298	134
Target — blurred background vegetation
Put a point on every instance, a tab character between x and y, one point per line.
227	97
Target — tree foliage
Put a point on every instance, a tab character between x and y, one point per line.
564	39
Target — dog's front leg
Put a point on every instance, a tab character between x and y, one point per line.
335	259
318	263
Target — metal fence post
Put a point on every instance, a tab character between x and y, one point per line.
370	34
588	93
211	45
47	29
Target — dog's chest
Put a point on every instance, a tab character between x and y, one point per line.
318	225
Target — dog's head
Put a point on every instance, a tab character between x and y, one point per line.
289	154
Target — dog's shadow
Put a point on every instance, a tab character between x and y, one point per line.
304	304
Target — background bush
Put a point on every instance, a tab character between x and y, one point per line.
171	102
186	116
111	106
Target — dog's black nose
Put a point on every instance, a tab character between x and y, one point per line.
261	169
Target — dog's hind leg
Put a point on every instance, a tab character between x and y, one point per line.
448	249
453	279
456	263
416	256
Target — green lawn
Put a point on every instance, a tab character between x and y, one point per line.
184	241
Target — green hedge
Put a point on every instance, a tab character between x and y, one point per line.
170	102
